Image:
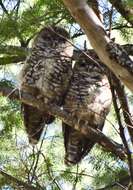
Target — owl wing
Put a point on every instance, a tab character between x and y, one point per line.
35	121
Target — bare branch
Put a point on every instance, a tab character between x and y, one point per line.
94	135
4	8
9	49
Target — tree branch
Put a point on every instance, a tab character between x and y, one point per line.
127	118
114	83
94	135
16	54
120	64
4	8
128	48
123	9
124	105
11	59
17	181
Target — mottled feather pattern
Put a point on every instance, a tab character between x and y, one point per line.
48	68
82	91
46	75
34	120
88	100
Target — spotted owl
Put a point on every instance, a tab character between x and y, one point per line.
88	100
46	75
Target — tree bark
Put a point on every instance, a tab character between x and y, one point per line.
121	64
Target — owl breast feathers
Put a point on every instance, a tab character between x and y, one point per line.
46	74
88	100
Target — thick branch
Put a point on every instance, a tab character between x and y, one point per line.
16	54
128	48
123	9
99	40
94	135
9	49
11	59
17	50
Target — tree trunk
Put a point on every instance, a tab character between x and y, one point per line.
110	53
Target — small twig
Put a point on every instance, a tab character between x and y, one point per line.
124	105
50	173
32	164
4	8
76	179
73	173
37	158
110	21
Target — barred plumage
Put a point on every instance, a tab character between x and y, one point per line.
34	121
88	100
46	74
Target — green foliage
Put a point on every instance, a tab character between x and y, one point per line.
107	168
6	83
43	164
9	115
57	10
8	28
30	19
24	24
129	3
125	32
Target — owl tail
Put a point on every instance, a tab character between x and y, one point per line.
34	121
76	145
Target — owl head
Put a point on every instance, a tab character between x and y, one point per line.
52	34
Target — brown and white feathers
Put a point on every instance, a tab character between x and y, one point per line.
88	100
34	122
46	74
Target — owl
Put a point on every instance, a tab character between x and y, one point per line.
46	74
88	100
